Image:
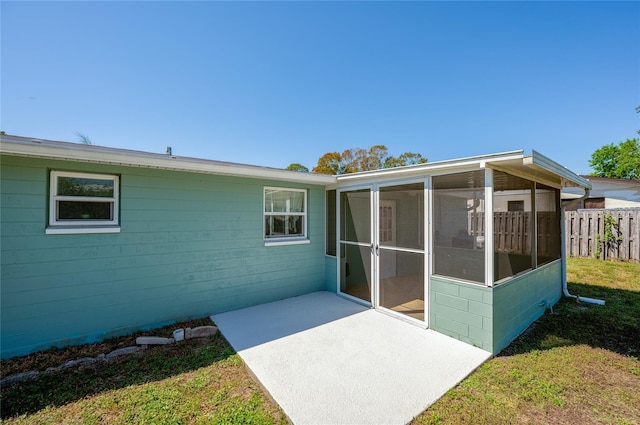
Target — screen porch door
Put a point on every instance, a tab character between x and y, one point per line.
381	242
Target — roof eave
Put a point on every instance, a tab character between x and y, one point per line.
568	177
433	167
37	148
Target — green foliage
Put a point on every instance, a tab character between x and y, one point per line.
84	139
621	161
611	236
407	158
354	160
294	166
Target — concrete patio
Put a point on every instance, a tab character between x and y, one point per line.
326	360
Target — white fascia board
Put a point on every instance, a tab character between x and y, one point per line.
19	146
568	177
431	168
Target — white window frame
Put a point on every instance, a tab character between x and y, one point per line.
285	239
57	226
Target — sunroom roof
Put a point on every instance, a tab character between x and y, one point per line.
534	166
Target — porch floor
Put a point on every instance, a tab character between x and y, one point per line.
327	360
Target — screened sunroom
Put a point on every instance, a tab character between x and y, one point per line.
470	248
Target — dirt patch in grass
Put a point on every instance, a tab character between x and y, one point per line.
54	357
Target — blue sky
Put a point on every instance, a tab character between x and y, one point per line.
271	83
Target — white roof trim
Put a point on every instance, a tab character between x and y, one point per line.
38	148
569	178
511	161
432	167
23	146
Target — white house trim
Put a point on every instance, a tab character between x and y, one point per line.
38	148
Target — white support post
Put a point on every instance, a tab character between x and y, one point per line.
338	244
428	243
488	227
534	227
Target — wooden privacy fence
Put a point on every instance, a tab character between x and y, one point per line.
511	231
586	234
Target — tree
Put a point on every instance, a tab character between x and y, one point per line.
329	163
621	161
407	158
357	159
294	166
85	140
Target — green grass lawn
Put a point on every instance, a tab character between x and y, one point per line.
199	381
579	365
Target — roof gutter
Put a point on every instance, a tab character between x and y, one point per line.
563	248
38	148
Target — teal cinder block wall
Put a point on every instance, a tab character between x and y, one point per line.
490	318
522	300
463	311
190	245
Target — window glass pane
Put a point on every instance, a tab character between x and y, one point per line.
283	201
331	222
77	186
458	225
401	216
70	210
512	225
355	216
548	224
277	226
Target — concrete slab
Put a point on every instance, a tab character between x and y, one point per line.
327	360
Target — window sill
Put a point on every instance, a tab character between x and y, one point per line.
286	242
80	230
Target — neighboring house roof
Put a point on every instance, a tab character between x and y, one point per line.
26	146
533	166
604	187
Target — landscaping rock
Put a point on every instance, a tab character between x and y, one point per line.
178	335
153	340
82	361
122	352
203	331
18	378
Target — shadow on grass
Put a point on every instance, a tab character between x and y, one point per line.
154	364
614	326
